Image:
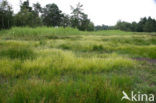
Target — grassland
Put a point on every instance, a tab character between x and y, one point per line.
64	65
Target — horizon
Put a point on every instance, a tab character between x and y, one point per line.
107	12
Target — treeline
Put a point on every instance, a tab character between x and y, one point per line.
50	15
104	27
144	25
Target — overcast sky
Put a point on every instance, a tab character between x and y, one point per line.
106	12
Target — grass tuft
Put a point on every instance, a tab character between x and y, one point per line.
18	53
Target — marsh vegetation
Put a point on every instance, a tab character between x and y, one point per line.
65	65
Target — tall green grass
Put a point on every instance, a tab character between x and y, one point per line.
27	31
56	62
18	52
40	91
65	65
112	32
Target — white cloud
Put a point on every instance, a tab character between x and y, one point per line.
104	11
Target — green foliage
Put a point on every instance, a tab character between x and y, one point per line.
37	9
40	31
80	20
6	15
150	25
27	17
104	27
51	15
144	25
123	26
65	20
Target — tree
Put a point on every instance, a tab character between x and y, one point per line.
65	20
141	24
122	25
134	26
37	9
76	15
104	27
25	5
6	15
90	26
86	24
27	16
144	25
79	19
150	25
52	15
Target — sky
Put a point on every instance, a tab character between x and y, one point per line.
106	12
